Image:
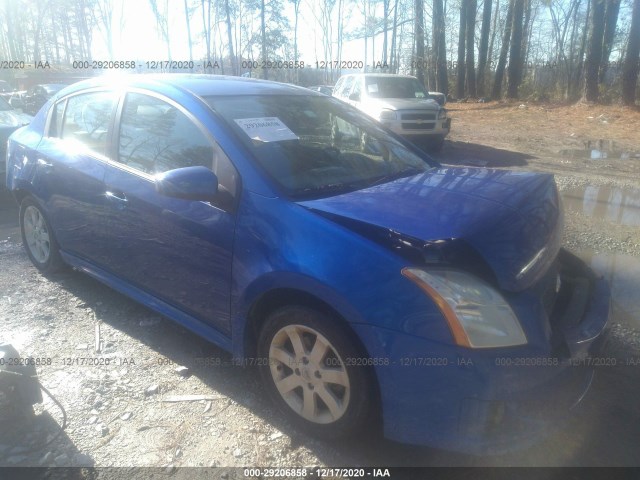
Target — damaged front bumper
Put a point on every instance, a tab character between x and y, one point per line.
494	400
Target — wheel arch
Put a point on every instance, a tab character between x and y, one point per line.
20	194
275	298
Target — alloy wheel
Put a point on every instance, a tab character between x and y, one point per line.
309	374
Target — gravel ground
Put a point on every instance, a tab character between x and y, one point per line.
124	411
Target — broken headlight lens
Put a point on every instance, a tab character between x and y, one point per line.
478	316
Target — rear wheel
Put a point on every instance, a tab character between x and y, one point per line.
37	237
311	374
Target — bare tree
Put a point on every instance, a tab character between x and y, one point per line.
206	25
103	18
496	92
419	39
515	54
472	6
439	47
161	14
394	35
484	46
612	9
460	70
232	57
494	31
578	77
187	18
594	53
632	58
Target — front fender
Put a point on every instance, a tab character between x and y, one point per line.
280	244
303	284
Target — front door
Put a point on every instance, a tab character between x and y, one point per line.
178	250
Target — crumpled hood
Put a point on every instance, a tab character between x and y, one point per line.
13	119
507	217
402	103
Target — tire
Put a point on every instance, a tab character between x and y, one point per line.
323	396
38	238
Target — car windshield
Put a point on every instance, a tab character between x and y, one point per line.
315	146
394	87
4	105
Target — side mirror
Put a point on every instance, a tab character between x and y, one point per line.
189	183
355	96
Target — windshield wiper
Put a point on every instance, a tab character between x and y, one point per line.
389	177
336	188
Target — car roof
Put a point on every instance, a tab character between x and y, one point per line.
200	84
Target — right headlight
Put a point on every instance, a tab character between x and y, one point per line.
387	114
442	114
478	316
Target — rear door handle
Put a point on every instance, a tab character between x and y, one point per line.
119	198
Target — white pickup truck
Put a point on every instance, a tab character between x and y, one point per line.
400	103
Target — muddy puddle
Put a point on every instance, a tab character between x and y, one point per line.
615	204
600	150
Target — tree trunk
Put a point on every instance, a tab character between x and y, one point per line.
594	54
186	17
583	46
385	22
610	22
232	57
460	71
484	45
632	58
515	55
296	10
570	68
394	37
340	37
439	47
526	38
206	32
419	15
472	6
504	50
263	34
494	30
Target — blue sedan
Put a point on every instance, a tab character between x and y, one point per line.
364	280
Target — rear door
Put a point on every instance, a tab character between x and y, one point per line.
177	250
70	170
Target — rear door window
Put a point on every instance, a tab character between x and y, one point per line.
86	120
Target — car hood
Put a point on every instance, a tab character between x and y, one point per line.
402	103
511	219
13	118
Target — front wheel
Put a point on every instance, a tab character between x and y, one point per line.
312	373
37	237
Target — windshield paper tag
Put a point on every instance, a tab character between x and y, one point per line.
266	129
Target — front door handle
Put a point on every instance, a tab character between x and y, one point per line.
45	165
